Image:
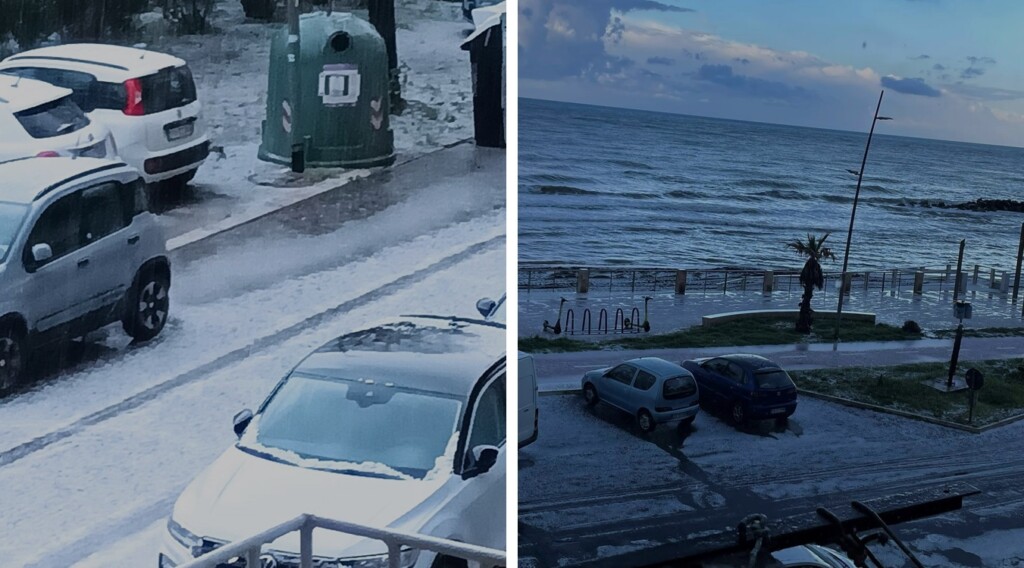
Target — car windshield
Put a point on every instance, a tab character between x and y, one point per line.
11	217
54	118
679	387
774	379
357	426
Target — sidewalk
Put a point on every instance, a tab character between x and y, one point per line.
562	371
668	312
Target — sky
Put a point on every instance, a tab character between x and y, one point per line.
950	69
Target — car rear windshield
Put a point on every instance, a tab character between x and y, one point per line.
88	93
679	387
11	217
357	427
775	379
168	89
54	118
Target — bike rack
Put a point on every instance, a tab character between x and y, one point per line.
602	317
634	316
585	324
570	322
620	321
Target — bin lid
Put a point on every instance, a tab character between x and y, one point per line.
484	19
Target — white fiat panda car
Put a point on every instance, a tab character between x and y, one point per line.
147	100
38	119
401	425
79	249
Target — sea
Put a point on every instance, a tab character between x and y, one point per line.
616	187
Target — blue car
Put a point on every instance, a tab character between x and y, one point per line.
749	387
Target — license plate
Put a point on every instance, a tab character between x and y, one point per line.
778	410
179	132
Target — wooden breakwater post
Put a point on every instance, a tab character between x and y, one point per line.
918	282
582	280
680	282
769	282
1020	257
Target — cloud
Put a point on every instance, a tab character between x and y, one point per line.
752	86
656	60
567	38
910	86
976	67
977	92
922	56
939	67
863	45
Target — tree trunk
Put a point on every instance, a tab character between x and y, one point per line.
806	317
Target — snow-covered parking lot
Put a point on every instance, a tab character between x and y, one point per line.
593	486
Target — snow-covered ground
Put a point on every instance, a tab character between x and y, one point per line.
593	481
230	67
104	489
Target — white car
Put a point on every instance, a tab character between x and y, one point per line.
147	100
400	426
38	119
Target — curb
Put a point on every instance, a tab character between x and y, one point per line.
185	242
911	415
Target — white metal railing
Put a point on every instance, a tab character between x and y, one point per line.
250	548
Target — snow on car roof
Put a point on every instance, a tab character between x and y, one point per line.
658	366
440	357
17	94
113	62
24	179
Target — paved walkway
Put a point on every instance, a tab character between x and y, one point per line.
668	312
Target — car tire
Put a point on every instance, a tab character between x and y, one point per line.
147	305
443	561
738	414
686	423
590	395
782	421
12	356
645	421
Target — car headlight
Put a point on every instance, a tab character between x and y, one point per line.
185	537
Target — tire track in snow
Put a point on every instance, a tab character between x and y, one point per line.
28	448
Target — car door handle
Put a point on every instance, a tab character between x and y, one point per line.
83	263
133	239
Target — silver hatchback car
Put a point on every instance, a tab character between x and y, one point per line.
653	390
79	249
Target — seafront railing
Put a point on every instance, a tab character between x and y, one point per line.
642	280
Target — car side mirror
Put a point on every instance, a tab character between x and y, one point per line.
41	252
485	306
241	421
484	458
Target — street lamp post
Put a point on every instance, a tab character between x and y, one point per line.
853	215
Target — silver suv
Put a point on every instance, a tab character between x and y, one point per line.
79	249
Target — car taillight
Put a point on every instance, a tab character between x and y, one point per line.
48	154
133	98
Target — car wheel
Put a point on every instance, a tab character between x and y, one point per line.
12	357
147	305
259	9
782	421
645	421
739	414
686	423
443	561
590	395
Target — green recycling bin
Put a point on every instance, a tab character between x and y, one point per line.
342	116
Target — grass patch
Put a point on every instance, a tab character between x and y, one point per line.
900	388
980	332
753	331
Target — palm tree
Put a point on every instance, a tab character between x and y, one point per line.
811	276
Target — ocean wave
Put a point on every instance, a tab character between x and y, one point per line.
631	164
554	179
563	190
773	183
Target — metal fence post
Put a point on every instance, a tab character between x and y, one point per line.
306	545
